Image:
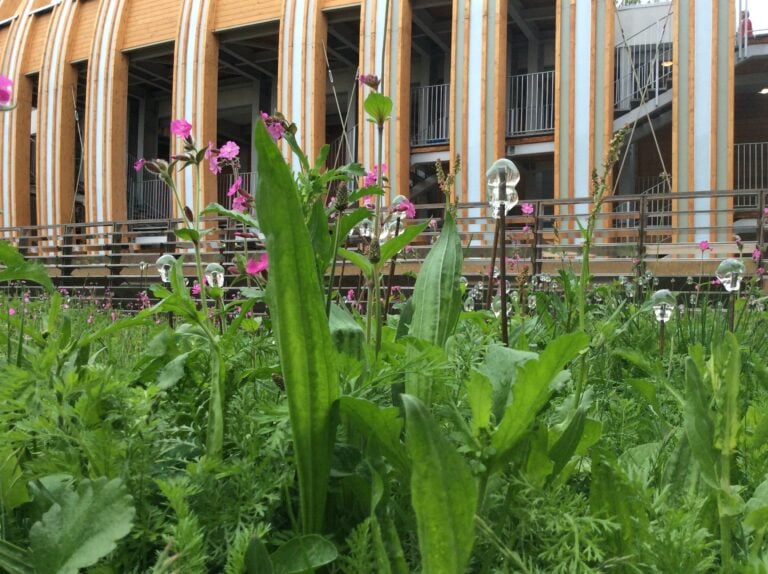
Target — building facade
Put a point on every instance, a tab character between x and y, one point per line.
544	82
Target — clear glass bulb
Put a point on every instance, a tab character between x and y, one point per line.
501	180
164	265
214	275
663	302
730	273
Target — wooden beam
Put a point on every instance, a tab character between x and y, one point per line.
516	13
430	34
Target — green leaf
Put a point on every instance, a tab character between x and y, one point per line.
378	107
396	244
756	509
18	269
321	237
84	528
443	493
15	560
699	424
244	218
257	560
303	554
349	220
725	370
479	395
172	372
436	300
358	259
347	334
297	306
13	489
531	393
380	426
562	451
187	234
501	367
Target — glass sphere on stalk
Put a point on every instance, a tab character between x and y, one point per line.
501	180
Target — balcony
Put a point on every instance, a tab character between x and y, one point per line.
750	173
643	66
531	104
148	196
429	115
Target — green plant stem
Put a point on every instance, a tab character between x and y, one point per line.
215	438
374	292
198	258
329	295
725	521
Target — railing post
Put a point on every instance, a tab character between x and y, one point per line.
641	238
535	266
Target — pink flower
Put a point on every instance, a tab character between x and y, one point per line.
235	186
254	267
196	289
756	254
181	128
210	150
6	90
369	202
408	207
113	316
213	164
370	80
372	176
239	203
527	208
526	229
760	271
11	311
229	150
716	281
139	164
408	248
274	126
704	245
765	211
350	295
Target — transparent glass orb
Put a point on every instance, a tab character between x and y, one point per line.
469	303
531	302
501	180
214	275
164	265
663	302
730	273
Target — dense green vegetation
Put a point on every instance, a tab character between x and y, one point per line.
322	438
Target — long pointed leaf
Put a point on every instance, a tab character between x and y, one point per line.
296	303
443	493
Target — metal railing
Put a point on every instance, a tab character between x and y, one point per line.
531	104
119	255
149	198
429	115
750	171
643	68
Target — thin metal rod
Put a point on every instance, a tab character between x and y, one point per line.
391	277
489	295
503	273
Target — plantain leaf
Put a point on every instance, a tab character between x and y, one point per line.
297	307
13	489
756	509
531	393
83	528
443	493
562	451
480	398
699	424
381	426
303	554
436	300
257	560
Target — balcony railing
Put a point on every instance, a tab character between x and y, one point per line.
429	115
750	172
115	254
530	104
643	65
147	195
